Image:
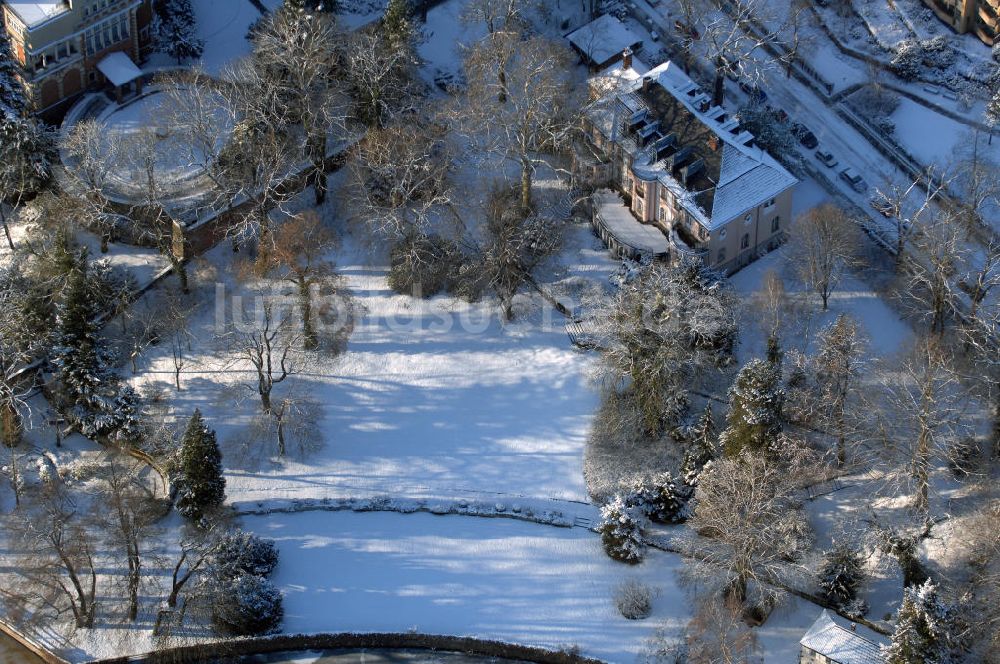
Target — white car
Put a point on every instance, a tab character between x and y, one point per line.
853	178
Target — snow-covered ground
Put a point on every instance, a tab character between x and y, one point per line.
431	397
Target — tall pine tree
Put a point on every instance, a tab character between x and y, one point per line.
80	367
177	30
200	483
924	625
755	402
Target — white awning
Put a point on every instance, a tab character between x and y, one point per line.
119	68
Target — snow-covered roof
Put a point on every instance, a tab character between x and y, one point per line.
628	230
603	38
119	68
732	175
840	644
34	12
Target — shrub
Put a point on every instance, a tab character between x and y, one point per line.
634	600
241	553
962	456
248	605
422	265
621	531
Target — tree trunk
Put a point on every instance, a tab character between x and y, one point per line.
719	92
6	228
281	435
265	398
921	461
825	294
525	186
318	176
309	339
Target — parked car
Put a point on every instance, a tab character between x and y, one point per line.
654	35
756	94
686	30
851	177
804	136
826	158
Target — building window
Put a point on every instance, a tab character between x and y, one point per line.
768	204
638	206
722	255
775	224
663	213
745	241
747	219
722	234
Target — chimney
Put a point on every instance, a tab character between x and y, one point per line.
854	627
713	143
626	58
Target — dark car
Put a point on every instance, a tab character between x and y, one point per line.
804	136
757	95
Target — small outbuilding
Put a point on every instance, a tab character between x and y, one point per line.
122	73
829	641
601	42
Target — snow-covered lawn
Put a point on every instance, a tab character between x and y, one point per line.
491	578
488	578
431	397
934	138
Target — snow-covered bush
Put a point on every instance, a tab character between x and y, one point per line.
962	456
841	577
876	105
634	600
660	498
621	531
248	605
241	553
906	63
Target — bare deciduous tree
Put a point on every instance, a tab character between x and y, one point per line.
924	410
838	365
749	525
299	51
538	108
301	246
268	348
824	242
399	177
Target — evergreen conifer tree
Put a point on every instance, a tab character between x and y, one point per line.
396	25
13	100
923	633
201	485
621	530
840	577
80	367
755	402
701	447
177	30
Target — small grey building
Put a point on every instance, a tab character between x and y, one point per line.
835	641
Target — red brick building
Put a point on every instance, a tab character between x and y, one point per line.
61	45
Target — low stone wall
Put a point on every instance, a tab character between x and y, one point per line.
344	641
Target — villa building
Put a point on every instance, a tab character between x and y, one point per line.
980	17
692	181
68	46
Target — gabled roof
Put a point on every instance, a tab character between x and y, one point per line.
602	39
730	174
841	644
